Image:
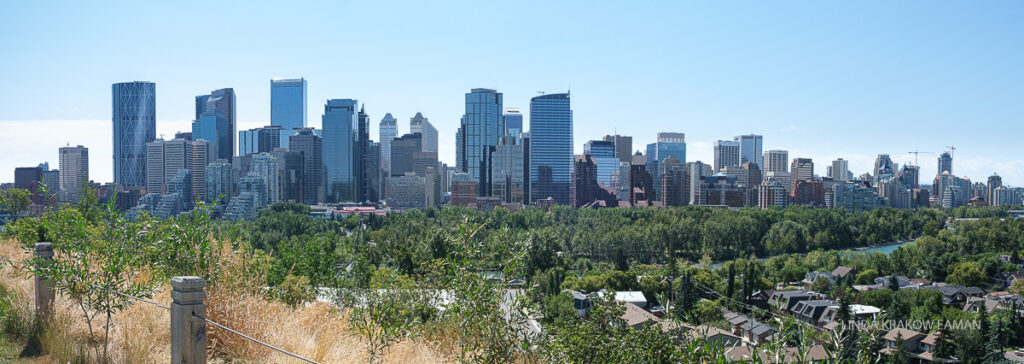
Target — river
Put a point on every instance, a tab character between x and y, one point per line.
885	248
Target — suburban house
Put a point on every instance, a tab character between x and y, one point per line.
956	295
911	340
581	302
756	333
714	336
760	298
810	311
812	277
903	282
1006	279
786	300
857	313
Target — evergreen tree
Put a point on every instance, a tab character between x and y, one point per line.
730	285
943	346
894	283
686	295
848	338
994	344
899	353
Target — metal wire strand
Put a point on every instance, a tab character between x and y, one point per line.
247	337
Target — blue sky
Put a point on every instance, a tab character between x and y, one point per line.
821	79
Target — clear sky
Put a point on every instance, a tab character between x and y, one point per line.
821	79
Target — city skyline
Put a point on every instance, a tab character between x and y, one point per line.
846	90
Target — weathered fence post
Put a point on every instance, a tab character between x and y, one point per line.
44	291
188	332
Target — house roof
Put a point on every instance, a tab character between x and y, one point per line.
635	315
841	271
736	319
704	331
864	310
931	339
906	334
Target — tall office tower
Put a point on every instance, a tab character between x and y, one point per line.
884	168
802	170
751	182
288	103
526	166
623	147
360	159
222	100
30	179
667	144
776	160
134	117
373	172
584	181
507	176
479	130
388	131
697	172
945	163
513	121
910	176
641	185
783	178
310	146
603	153
896	193
750	148
213	126
402	150
840	170
727	154
551	156
163	160
203	153
218	181
74	171
673	180
994	181
341	123
951	191
51	179
420	124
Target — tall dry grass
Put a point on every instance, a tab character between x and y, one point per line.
141	333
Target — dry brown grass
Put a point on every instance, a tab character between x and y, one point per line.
141	334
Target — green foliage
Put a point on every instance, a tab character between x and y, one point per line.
968	274
15	201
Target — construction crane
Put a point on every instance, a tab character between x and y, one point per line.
952	150
916	153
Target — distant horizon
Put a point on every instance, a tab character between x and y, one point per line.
823	81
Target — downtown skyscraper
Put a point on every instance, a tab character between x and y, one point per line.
288	103
134	122
219	103
727	154
480	128
388	132
551	158
420	124
340	149
750	148
667	144
74	170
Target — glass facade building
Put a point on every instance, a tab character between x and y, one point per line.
750	148
388	132
481	126
603	154
340	125
671	145
214	127
134	125
288	103
551	153
513	121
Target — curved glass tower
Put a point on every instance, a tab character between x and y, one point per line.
134	125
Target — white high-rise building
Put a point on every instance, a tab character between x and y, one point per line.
164	159
74	170
776	160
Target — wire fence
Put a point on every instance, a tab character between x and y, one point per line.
13	263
